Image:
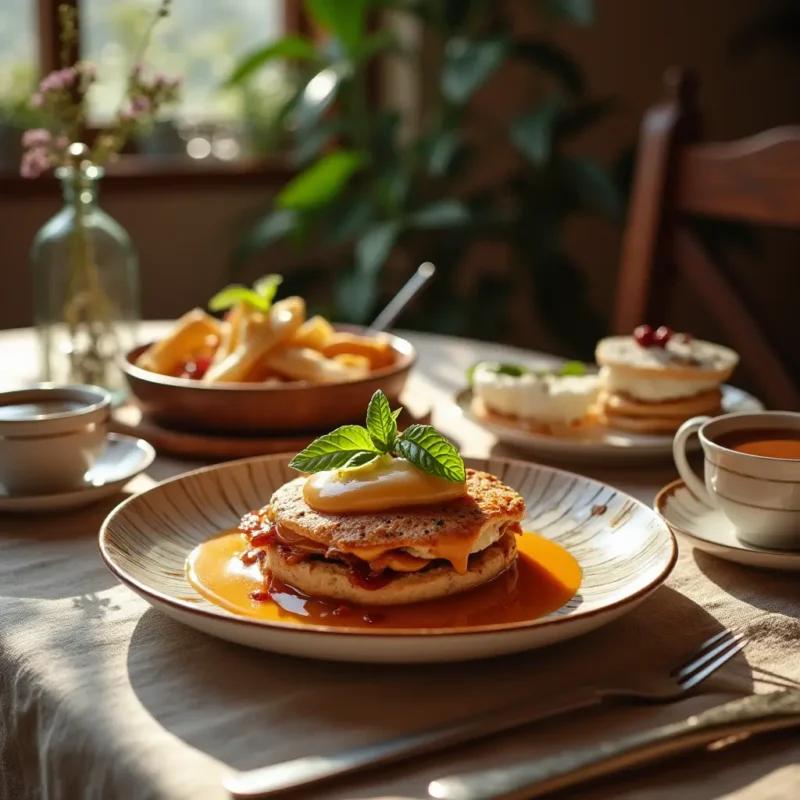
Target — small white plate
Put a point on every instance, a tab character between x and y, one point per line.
624	548
708	530
598	444
122	459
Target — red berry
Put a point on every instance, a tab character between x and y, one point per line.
662	336
644	336
195	369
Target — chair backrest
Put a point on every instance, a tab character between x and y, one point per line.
756	179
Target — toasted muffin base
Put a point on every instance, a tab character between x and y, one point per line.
331	579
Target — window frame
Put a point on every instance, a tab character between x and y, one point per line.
136	171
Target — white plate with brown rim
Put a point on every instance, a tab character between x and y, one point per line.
624	549
597	443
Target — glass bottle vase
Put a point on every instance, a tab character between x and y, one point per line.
86	287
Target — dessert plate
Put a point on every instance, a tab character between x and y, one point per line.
598	444
624	549
707	529
122	459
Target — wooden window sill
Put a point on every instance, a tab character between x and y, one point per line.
146	173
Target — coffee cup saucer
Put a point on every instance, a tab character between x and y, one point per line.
122	458
707	529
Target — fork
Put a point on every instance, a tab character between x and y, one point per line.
649	688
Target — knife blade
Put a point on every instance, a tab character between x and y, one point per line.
746	717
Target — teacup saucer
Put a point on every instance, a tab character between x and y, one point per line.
122	459
707	529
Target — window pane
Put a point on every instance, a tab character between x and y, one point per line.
18	73
200	42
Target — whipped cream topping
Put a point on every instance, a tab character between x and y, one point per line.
653	388
542	398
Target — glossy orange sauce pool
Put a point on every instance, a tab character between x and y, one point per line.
543	578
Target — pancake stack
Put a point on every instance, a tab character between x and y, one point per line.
393	557
653	382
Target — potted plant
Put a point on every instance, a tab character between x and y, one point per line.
386	201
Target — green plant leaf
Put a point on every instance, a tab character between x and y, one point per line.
345	20
443	151
468	65
381	424
321	182
581	12
576	368
233	295
356	293
310	142
446	213
427	449
551	58
334	449
396	413
351	215
361	460
292	47
375	247
532	133
267	287
316	97
593	185
276	225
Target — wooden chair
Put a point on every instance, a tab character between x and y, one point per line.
756	179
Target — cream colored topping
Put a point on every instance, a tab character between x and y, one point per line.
653	389
679	354
383	484
544	398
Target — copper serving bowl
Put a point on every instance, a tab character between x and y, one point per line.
255	408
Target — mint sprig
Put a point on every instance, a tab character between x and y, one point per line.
353	446
517	370
260	297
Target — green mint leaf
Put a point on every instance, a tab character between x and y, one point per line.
572	368
267	287
232	295
428	450
396	413
514	370
334	449
381	425
361	459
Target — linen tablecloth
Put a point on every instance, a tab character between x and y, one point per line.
102	697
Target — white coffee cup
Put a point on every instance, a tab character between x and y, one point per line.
50	437
759	495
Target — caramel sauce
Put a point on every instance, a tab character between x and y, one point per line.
542	579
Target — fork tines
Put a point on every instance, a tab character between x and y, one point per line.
708	657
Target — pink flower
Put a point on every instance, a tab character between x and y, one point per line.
58	80
140	104
34	162
37	137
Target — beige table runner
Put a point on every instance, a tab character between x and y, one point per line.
102	697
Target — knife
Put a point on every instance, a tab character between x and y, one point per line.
731	722
277	778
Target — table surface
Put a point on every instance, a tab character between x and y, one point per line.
102	697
